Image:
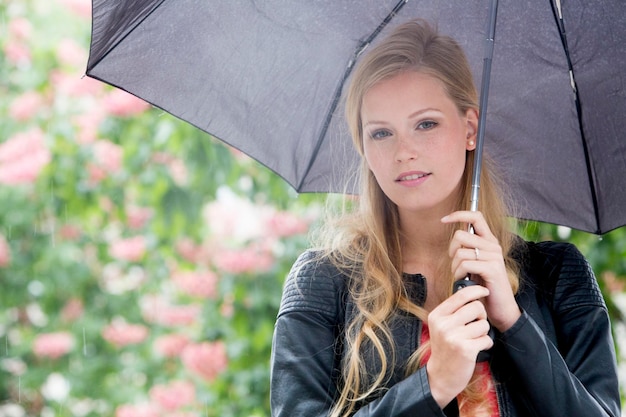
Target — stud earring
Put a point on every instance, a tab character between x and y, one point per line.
471	143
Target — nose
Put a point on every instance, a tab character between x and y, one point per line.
406	149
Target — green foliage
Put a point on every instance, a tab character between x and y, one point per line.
142	175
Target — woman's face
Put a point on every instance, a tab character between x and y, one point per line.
415	142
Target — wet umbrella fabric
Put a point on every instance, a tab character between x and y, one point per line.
266	78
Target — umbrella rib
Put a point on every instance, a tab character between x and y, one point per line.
558	16
336	96
120	20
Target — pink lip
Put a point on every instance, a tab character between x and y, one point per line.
412	178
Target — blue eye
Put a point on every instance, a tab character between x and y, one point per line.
380	134
426	125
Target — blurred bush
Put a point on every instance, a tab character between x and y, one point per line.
141	262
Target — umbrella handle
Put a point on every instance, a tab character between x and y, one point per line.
483	355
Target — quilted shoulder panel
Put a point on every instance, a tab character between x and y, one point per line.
313	285
572	279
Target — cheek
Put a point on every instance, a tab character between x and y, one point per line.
457	165
372	156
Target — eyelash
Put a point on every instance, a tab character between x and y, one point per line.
383	133
432	124
379	134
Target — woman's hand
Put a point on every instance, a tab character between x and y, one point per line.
458	332
480	255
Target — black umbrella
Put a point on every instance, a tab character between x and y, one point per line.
266	77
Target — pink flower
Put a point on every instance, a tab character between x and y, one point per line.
72	310
75	85
174	395
5	251
108	155
82	8
189	250
20	28
239	261
108	160
25	106
117	278
284	223
178	171
207	359
199	284
120	103
70	232
22	157
233	218
71	53
182	315
176	167
120	333
171	345
53	345
17	53
159	311
131	249
142	410
137	217
88	124
96	174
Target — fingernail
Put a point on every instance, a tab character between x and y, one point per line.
445	218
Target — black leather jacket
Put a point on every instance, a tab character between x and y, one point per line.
557	360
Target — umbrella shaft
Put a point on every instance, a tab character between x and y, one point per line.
484	95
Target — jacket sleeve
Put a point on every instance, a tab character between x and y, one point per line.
306	352
579	377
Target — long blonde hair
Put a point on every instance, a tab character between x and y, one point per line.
365	241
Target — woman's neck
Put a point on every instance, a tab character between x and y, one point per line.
423	245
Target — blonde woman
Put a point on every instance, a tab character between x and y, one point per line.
369	324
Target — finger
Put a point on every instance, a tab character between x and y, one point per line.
467	239
482	251
475	218
472	267
463	254
464	239
463	297
471	312
484	342
477	329
475	260
444	312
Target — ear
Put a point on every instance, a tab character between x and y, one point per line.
471	116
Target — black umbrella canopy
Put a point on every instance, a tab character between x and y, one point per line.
266	77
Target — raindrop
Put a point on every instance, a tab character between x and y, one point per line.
52	222
84	343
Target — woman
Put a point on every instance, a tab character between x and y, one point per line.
369	324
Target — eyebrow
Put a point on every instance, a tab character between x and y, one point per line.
411	116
